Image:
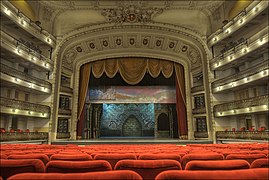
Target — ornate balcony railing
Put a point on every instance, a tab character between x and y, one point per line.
22	105
243	74
199	111
251	135
245	103
27	24
63	135
64	112
66	89
23	136
200	134
18	74
197	89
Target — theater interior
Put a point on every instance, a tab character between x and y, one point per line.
134	89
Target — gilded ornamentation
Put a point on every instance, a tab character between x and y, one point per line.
131	13
70	56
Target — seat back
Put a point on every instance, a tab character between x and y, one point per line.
77	166
160	156
70	157
250	174
148	169
217	165
260	163
248	157
114	158
106	175
44	158
10	167
198	156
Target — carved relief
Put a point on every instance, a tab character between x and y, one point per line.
70	56
134	12
194	57
47	13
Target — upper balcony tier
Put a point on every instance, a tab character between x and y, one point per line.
12	17
12	49
246	106
19	78
22	108
257	75
257	11
251	48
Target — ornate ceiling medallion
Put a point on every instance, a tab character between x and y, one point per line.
132	12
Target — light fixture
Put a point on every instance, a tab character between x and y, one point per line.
44	89
22	21
241	20
246	79
17	80
33	58
249	109
232	84
219	88
227	31
7	11
18	50
230	57
245	50
265	106
234	111
220	113
29	112
14	110
215	39
256	9
30	85
48	39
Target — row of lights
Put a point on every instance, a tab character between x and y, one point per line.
30	85
248	109
241	21
23	22
33	58
245	50
246	79
29	112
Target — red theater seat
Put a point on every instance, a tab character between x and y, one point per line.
250	174
148	169
10	167
114	158
248	157
260	163
107	175
205	156
77	166
71	157
44	158
160	156
3	156
217	165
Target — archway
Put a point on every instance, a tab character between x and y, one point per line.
131	127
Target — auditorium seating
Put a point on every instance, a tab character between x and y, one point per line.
250	174
71	157
10	167
106	175
77	166
148	169
248	157
44	158
160	156
199	156
114	158
260	163
217	165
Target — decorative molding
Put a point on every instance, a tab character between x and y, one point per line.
131	12
23	136
255	135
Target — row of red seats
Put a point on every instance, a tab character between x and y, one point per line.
2	130
147	169
253	174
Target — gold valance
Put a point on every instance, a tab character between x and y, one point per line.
132	70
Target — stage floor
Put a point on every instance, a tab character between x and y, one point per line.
117	140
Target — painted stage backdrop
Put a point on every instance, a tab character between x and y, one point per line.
127	120
132	94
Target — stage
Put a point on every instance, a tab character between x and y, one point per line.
117	140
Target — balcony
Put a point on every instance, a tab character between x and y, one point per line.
66	112
12	14
199	111
197	89
63	135
257	44
246	106
66	90
256	73
17	107
200	134
23	136
22	79
250	135
251	13
11	47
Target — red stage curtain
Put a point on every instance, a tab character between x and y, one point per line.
181	102
83	88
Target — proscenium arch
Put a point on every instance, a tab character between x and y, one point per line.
192	39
